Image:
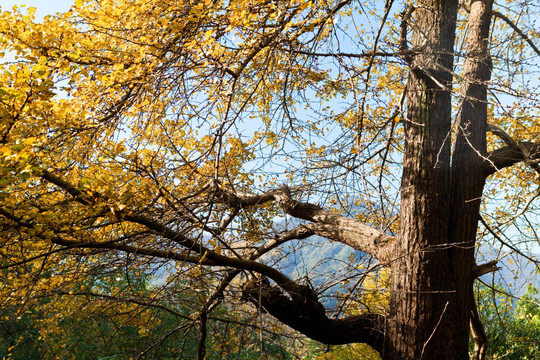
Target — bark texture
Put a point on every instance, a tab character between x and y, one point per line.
467	177
421	300
432	282
303	312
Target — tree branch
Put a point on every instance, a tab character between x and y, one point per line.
405	19
514	152
516	29
477	331
351	232
206	256
294	304
304	313
486	268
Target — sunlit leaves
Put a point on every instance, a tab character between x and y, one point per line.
144	107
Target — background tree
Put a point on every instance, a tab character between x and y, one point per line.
203	141
511	326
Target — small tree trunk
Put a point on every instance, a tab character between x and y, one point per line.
468	155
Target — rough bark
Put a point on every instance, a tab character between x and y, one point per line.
467	177
420	293
322	222
432	283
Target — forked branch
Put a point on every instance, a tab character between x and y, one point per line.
514	152
294	304
304	313
351	232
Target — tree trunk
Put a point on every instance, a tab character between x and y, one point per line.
424	302
432	278
467	159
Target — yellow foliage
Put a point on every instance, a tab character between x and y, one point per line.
119	110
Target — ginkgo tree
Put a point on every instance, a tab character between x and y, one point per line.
202	141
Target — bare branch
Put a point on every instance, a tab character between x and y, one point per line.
300	308
508	245
306	314
486	268
515	152
477	331
516	29
362	55
325	223
405	18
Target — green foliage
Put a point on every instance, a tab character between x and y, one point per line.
512	327
99	326
318	351
18	337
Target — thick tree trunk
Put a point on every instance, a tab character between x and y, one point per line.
423	303
432	278
432	260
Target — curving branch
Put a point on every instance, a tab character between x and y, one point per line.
351	232
517	30
304	313
403	47
499	15
513	153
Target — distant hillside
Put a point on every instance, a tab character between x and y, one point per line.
323	261
316	256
